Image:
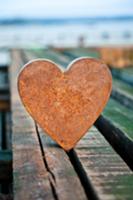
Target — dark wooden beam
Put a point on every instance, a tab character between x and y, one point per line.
120	142
5	165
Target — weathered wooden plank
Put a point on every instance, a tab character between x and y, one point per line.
122	98
120	116
65	180
123	93
31	179
120	75
49	54
128	89
75	53
63	176
128	70
106	170
122	144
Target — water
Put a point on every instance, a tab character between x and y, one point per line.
66	35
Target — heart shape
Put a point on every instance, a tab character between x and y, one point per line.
65	104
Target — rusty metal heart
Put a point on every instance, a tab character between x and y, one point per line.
65	104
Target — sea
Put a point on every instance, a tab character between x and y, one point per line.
72	34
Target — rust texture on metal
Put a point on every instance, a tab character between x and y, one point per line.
65	104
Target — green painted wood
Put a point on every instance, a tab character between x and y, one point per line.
49	54
128	70
127	89
82	52
119	115
120	75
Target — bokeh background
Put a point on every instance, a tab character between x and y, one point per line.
65	23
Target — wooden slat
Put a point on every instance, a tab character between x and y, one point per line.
120	116
78	52
122	144
108	173
122	97
123	93
65	179
31	179
128	89
121	75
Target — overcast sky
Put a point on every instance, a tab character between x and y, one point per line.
64	8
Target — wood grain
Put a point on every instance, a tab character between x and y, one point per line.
31	179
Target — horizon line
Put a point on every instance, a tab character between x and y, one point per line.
64	17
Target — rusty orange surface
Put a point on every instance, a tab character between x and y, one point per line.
65	104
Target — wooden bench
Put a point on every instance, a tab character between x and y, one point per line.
98	168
